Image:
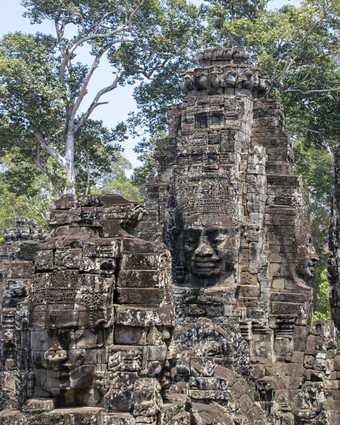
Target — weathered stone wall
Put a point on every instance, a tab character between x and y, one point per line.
99	318
232	214
16	273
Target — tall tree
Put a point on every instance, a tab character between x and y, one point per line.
43	87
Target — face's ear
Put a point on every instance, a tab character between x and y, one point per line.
98	329
99	324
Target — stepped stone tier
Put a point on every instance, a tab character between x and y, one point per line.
192	310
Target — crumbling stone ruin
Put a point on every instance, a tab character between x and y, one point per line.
100	318
16	273
197	314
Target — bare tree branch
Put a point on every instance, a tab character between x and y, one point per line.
60	160
113	86
83	89
295	90
95	101
95	35
37	162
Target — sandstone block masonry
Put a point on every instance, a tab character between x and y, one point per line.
232	213
205	317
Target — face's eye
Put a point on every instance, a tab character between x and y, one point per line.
217	236
191	238
220	238
64	337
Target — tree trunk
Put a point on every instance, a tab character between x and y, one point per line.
71	171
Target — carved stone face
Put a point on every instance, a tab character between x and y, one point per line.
308	258
209	250
63	348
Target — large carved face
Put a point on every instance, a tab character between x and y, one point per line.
209	250
64	348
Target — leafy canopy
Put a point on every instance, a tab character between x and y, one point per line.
44	84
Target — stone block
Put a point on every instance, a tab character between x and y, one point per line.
285	308
20	270
146	297
129	335
248	278
310	345
157	352
44	259
295	382
38	405
118	419
211	395
60	217
141	279
182	418
294	369
299	338
250	291
143	261
137	316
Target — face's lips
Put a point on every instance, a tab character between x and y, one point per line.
205	264
204	267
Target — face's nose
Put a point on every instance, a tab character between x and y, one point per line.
204	248
55	355
313	256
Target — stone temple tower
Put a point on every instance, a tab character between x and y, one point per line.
226	201
231	211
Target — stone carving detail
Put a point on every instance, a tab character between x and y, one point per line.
223	71
216	328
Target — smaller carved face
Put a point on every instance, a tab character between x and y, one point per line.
209	252
308	255
61	350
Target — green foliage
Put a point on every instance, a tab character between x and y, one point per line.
30	91
315	165
96	150
322	308
115	180
24	191
284	42
148	168
153	98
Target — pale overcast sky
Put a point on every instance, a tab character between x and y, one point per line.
11	20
